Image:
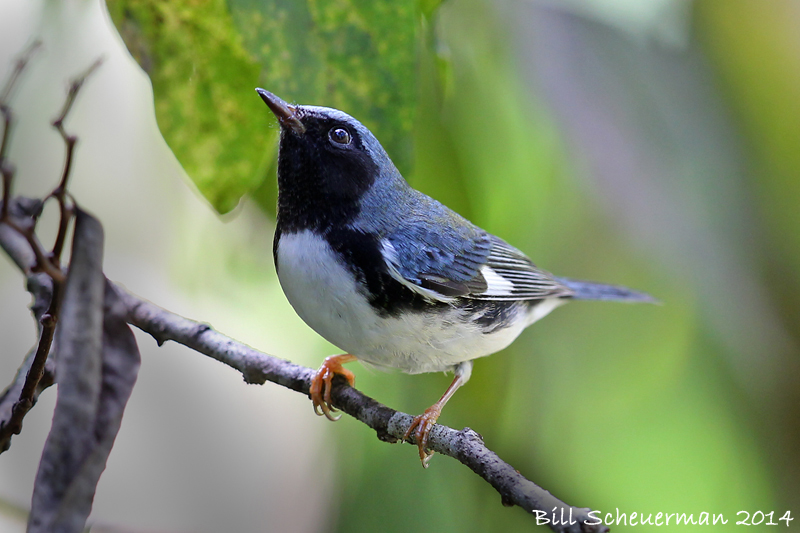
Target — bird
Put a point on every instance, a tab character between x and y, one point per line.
390	275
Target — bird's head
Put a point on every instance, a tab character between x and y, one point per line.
327	159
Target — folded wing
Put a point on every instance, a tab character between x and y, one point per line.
480	267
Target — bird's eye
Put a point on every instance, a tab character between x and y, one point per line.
339	136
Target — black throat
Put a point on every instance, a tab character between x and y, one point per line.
320	186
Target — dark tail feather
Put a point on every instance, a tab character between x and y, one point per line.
588	290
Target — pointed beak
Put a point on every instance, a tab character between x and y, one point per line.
286	113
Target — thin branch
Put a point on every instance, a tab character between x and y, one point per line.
36	378
10	403
37	370
20	396
43	263
19	66
15	404
6	169
49	263
58	123
27	396
60	192
466	445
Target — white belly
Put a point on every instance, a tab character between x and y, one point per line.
326	296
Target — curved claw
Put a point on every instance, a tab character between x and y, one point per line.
321	385
421	427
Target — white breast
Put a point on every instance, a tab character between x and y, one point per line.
323	292
327	297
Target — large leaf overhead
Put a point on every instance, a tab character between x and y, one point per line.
206	56
203	81
355	55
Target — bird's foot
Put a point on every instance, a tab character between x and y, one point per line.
421	427
320	390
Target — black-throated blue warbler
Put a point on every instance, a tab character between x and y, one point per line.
389	275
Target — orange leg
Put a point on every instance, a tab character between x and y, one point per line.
320	390
422	424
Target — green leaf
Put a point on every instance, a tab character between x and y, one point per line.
203	81
204	58
355	55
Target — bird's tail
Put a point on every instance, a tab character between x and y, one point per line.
588	290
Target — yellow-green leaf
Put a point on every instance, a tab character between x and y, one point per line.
203	80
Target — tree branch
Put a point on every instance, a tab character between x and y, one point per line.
23	222
256	367
466	445
10	416
37	371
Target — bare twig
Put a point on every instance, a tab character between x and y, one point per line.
9	398
43	263
19	66
60	192
40	285
32	386
49	263
6	169
27	396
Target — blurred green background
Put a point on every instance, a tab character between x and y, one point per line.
650	143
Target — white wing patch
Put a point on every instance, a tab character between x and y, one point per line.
497	285
510	275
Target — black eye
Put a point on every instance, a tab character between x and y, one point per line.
339	136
